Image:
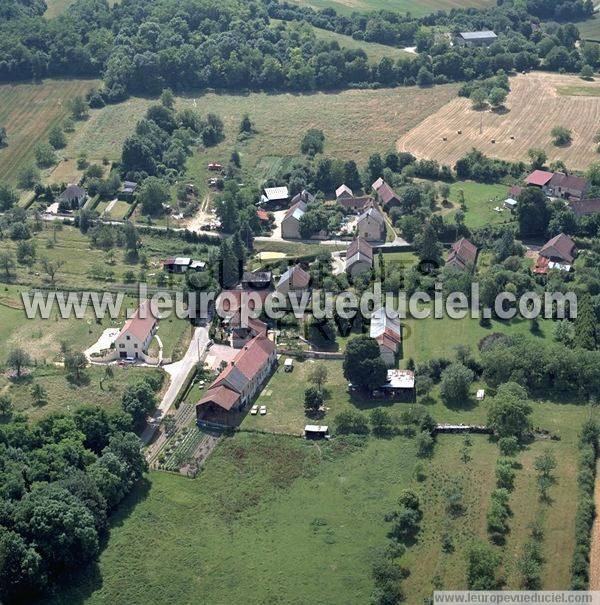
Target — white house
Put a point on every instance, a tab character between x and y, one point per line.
135	336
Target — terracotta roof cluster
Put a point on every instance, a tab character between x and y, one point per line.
142	322
541	265
559	247
227	389
463	254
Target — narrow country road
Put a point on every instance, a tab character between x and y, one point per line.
178	372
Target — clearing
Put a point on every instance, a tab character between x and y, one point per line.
535	105
417	8
29	112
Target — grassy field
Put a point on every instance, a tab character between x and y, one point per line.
29	111
374	51
590	29
73	249
356	124
270	520
417	8
64	395
278	520
534	107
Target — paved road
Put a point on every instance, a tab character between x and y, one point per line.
178	372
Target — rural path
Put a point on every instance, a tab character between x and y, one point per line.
595	548
178	372
110	206
63	218
339	264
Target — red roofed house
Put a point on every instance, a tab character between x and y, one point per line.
371	225
237	385
463	254
539	178
387	332
386	196
135	336
560	249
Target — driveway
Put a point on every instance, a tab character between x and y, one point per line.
178	372
106	339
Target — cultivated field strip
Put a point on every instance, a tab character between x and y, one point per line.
29	111
534	108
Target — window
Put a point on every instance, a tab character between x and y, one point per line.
121	346
128	337
135	346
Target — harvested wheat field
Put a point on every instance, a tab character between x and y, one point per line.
537	102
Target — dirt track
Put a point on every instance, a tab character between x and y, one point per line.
534	108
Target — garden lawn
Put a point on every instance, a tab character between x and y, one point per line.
481	199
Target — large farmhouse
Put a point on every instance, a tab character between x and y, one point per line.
237	385
135	336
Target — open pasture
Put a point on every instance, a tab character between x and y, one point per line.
417	8
536	104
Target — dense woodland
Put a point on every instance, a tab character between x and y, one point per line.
141	47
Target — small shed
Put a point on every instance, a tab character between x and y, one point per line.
480	394
288	364
315	431
510	204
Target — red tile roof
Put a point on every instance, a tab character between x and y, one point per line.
539	178
355	203
514	192
263	215
226	389
142	322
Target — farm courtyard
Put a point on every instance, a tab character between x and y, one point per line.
537	102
